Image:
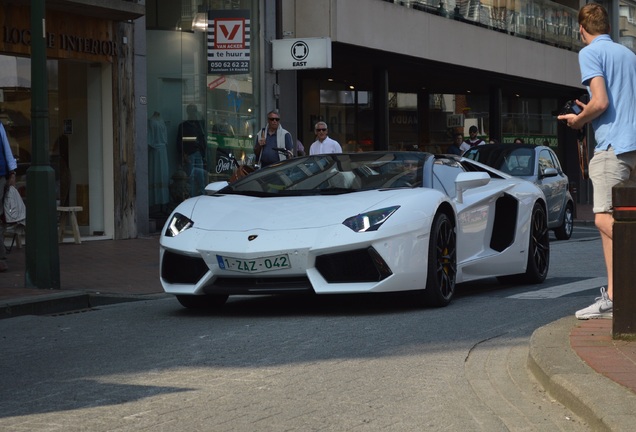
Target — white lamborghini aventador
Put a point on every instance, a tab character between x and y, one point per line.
356	223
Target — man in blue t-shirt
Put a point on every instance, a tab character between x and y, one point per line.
608	70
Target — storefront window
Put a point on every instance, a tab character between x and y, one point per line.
78	166
79	114
529	119
231	123
350	117
201	95
403	121
15	111
348	114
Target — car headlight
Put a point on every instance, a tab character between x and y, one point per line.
178	224
369	221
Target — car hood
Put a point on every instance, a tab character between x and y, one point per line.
240	213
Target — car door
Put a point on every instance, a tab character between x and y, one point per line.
554	187
474	214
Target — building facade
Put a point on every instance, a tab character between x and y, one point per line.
403	75
151	100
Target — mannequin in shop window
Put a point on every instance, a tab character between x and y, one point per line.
158	177
191	146
59	162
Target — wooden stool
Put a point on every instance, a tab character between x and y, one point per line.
15	231
65	214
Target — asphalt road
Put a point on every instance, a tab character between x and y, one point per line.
338	363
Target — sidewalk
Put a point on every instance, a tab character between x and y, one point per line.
580	365
91	273
577	362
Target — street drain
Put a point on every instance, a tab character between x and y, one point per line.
77	311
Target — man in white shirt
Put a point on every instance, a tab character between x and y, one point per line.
323	144
473	140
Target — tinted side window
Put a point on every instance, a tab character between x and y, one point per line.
545	160
556	162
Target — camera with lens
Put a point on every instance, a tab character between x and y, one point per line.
570	107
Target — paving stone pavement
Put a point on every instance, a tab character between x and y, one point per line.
576	362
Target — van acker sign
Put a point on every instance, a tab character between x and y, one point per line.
307	53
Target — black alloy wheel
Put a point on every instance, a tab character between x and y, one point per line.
442	262
539	247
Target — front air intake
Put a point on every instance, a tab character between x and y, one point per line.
182	269
362	265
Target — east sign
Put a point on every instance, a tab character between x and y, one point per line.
307	53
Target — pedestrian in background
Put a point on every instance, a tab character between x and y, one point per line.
270	139
455	146
608	70
8	165
473	140
323	143
300	148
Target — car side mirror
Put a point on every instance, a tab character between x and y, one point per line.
215	187
469	180
549	172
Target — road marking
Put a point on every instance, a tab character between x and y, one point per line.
561	290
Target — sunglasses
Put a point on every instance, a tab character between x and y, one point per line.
276	119
321	130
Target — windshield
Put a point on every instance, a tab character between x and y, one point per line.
334	174
509	158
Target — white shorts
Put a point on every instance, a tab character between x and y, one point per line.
607	170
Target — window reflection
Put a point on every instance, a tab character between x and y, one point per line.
627	24
540	20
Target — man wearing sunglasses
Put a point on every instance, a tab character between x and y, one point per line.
323	143
272	141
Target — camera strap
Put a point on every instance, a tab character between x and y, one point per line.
581	145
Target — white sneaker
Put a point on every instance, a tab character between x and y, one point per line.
602	308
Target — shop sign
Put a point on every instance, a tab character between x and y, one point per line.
86	38
455	120
404	118
307	53
61	41
229	42
546	140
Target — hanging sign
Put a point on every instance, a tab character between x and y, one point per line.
307	53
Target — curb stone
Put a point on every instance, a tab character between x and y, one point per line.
602	403
65	302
